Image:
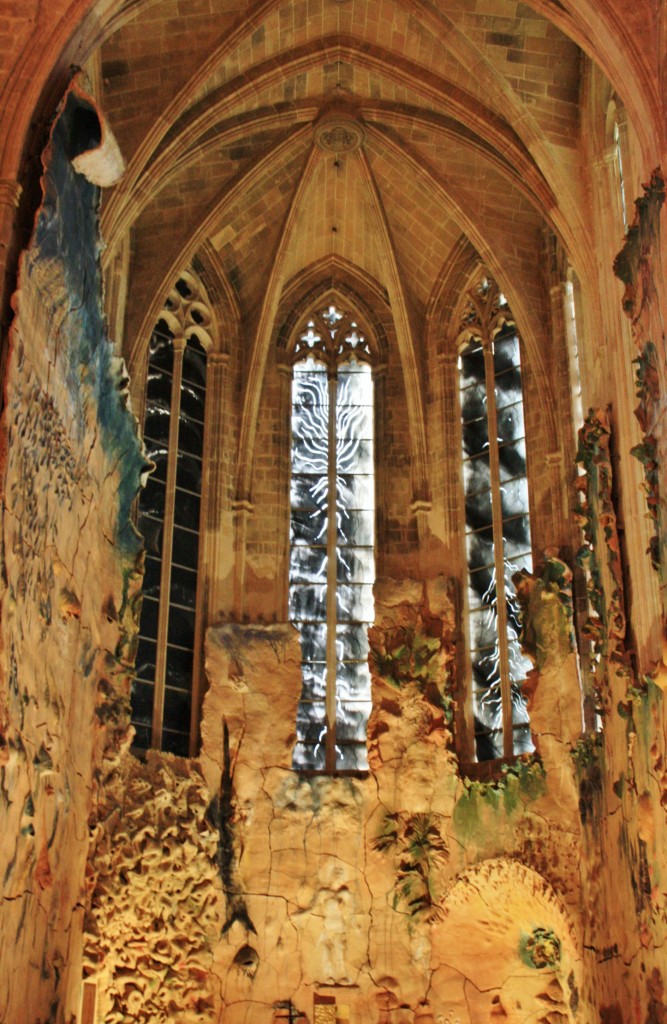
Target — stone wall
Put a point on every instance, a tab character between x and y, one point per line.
408	893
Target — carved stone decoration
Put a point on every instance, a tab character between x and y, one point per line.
339	128
71	582
547	630
638	265
187	311
552	686
600	555
154	908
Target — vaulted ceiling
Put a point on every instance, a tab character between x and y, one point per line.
382	134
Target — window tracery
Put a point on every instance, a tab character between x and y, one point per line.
497	526
332	565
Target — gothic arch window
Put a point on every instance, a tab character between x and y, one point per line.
497	526
332	524
616	158
169	516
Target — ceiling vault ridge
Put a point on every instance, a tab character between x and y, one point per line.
462	204
186	247
406	334
462	211
592	28
463	107
259	348
247	23
115	225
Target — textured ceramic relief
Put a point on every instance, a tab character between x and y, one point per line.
639	268
545	598
154	910
71	577
600	555
412	657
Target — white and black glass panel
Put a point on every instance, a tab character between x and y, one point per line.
319	598
504	494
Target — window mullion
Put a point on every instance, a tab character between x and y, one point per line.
498	552
330	760
167	546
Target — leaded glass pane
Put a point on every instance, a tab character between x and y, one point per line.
473	402
192	402
475	437
313	641
472	366
510	423
179	666
352	642
176	709
307	601
512	459
355	565
161	348
353	601
186	508
310	721
479	547
190	436
478	510
185	547
476	474
308	526
355	526
145	660
149	615
352	757
353	680
351	720
308	564
189	473
514	497
194	364
355	491
307	757
142	702
314	682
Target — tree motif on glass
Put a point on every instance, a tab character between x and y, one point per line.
169	514
332	565
497	523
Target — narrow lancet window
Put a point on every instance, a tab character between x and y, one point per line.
332	565
497	522
169	518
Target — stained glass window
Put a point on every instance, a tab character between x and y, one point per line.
497	521
168	518
332	565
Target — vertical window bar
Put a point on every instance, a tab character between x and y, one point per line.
330	757
498	551
167	547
